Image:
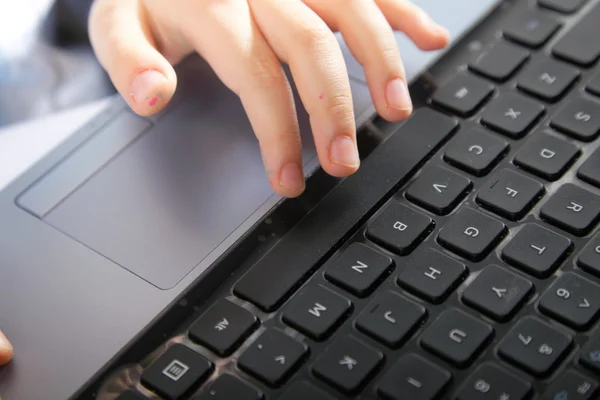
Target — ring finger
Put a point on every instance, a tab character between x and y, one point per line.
371	40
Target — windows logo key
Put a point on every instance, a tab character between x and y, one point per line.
175	370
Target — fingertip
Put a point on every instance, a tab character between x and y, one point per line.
344	159
150	91
6	350
290	182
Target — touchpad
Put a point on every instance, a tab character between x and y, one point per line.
172	195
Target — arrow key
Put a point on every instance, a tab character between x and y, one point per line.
348	364
359	269
572	300
438	190
272	357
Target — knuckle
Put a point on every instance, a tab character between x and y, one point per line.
390	55
265	73
315	38
340	107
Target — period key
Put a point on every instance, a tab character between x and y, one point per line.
272	357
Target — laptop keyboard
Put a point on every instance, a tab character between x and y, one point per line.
468	268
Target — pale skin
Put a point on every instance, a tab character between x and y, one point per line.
245	42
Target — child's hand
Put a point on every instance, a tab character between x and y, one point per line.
6	350
137	41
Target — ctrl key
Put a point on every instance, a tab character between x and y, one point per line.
413	377
177	372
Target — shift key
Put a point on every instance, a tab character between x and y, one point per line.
581	45
307	245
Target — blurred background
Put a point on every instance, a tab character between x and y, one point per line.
46	62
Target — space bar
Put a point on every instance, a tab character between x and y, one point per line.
308	244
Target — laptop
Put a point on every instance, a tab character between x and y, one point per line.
147	258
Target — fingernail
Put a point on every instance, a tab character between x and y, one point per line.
398	96
145	87
292	177
344	152
4	343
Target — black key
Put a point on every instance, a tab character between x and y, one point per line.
510	194
391	319
572	300
590	170
490	382
536	250
573	385
500	62
581	45
131	395
227	387
476	152
316	311
594	85
400	228
457	337
359	269
578	118
414	377
223	327
301	390
547	156
573	209
310	242
471	234
547	79
531	29
463	95
563	6
272	357
347	364
432	275
590	353
497	293
438	190
535	347
177	372
512	114
589	258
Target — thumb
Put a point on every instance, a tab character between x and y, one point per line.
121	38
6	349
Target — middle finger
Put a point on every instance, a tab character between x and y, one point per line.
303	40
